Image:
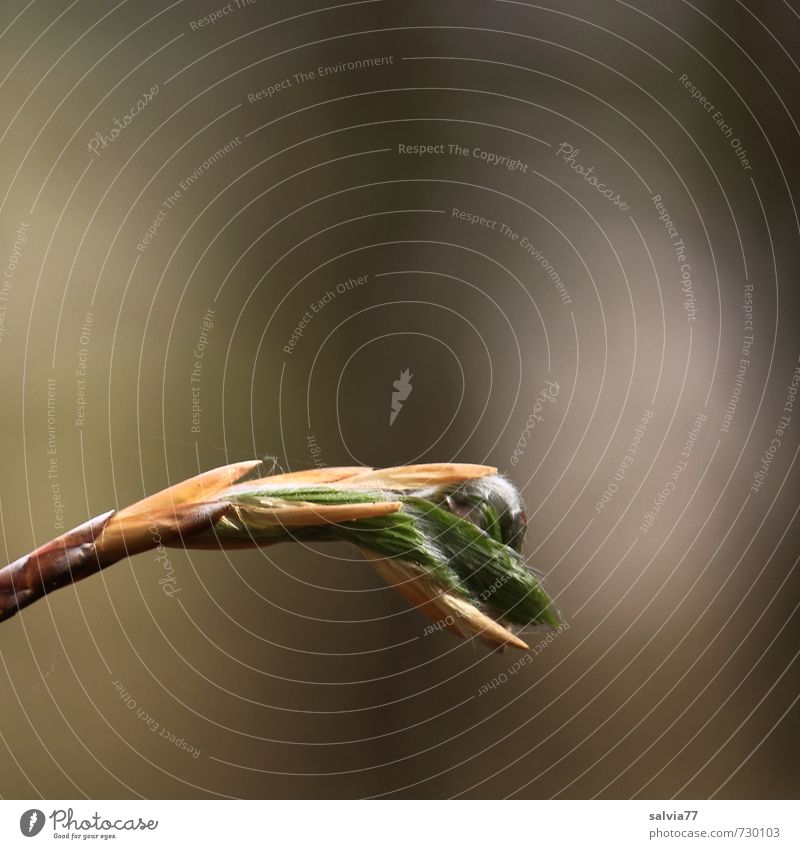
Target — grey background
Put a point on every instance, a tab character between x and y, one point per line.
296	672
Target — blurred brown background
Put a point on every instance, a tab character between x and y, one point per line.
239	186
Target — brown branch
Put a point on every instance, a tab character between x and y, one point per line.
165	517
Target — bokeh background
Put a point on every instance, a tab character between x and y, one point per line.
184	186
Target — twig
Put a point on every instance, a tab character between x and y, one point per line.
447	536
